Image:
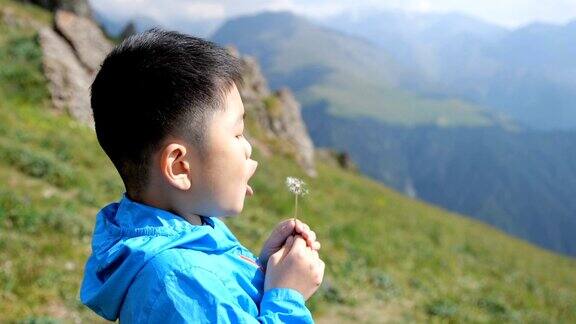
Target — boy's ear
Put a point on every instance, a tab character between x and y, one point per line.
175	166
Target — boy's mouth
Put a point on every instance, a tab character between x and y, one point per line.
249	190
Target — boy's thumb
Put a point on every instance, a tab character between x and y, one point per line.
288	227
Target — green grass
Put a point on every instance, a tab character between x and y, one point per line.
388	258
27	12
362	98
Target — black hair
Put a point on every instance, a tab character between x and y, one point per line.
154	84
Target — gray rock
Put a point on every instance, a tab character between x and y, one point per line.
69	81
72	53
87	39
289	125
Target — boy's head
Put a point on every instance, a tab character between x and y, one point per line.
168	113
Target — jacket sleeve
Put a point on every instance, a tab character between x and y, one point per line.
203	298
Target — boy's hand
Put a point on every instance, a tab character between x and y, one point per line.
295	266
279	235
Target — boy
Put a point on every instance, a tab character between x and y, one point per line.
168	114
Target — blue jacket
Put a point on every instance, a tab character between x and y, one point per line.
149	265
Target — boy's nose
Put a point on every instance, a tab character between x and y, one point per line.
248	149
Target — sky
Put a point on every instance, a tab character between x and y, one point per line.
507	13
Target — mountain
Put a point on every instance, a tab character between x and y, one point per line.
393	139
388	258
412	38
527	74
536	65
354	76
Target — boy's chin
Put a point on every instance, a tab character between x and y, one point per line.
232	212
235	211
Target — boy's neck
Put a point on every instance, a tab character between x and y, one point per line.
158	203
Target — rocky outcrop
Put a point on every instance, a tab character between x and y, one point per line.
277	114
72	54
69	80
289	125
85	37
255	87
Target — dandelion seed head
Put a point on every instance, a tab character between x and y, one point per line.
296	186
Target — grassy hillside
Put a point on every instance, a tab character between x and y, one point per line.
389	258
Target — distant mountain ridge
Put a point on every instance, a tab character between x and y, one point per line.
527	73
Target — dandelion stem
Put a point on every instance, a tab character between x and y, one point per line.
296	208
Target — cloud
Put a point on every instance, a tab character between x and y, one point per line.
423	6
510	13
161	11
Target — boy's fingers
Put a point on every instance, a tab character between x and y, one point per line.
300	226
299	243
316	245
315	254
304	230
311	236
297	223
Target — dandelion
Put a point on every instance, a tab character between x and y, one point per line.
298	188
